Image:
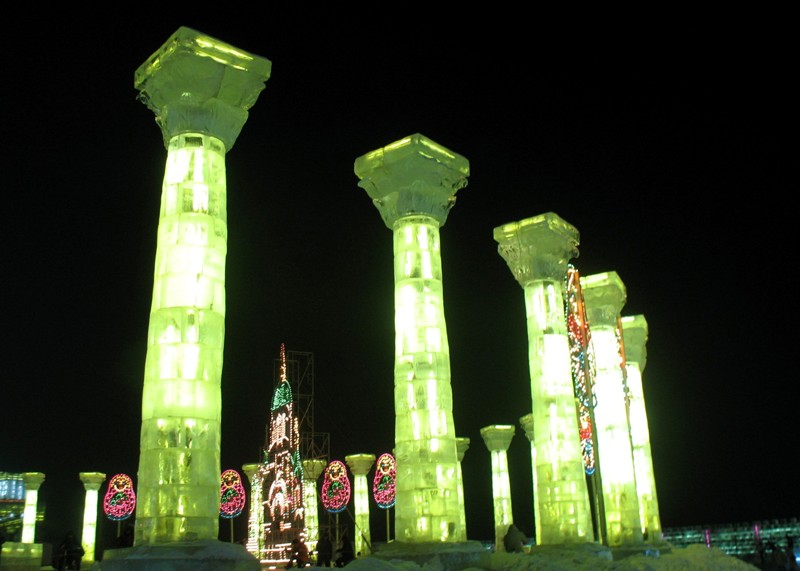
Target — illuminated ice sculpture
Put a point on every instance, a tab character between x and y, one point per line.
413	182
462	445
360	465
537	251
604	295
91	483
634	333
255	518
200	90
312	470
33	481
497	438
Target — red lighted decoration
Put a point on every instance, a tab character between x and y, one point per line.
383	484
232	494
336	487
120	499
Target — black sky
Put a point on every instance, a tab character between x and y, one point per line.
663	144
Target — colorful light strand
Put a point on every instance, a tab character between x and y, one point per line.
120	499
232	494
385	480
336	487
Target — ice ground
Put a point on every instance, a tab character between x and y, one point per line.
690	558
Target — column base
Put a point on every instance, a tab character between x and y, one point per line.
207	555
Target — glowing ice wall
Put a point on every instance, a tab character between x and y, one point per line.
604	295
537	251
312	470
498	438
360	464
634	331
33	481
413	183
91	482
200	90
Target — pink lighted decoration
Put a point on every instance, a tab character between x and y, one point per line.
383	484
336	487
120	499
232	494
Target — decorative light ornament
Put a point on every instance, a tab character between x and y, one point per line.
336	487
120	499
385	480
232	494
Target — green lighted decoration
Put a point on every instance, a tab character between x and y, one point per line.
200	90
384	481
335	487
232	494
120	498
413	183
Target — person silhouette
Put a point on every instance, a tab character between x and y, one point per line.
324	550
346	554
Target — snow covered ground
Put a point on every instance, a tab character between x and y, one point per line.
691	558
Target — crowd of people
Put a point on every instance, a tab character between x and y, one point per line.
301	556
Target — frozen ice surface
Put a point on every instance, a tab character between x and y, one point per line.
690	558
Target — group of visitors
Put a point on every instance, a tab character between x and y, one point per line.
301	557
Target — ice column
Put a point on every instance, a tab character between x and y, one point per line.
634	332
312	470
498	438
33	481
91	483
200	90
537	250
526	422
255	517
462	445
360	464
413	182
604	295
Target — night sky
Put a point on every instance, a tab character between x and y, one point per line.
663	144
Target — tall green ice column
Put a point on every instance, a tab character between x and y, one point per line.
526	422
91	483
634	333
200	90
537	250
497	438
33	481
360	464
604	295
413	183
312	470
255	517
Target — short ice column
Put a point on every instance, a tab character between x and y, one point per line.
498	438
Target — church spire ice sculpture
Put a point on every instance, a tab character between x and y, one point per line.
412	182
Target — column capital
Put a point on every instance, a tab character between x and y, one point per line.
197	84
462	445
537	248
526	422
412	176
634	335
313	468
604	296
360	464
32	480
92	480
498	436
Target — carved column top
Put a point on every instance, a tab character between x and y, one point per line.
527	425
604	296
498	436
360	464
32	480
537	248
462	445
412	176
92	480
313	468
197	84
634	335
